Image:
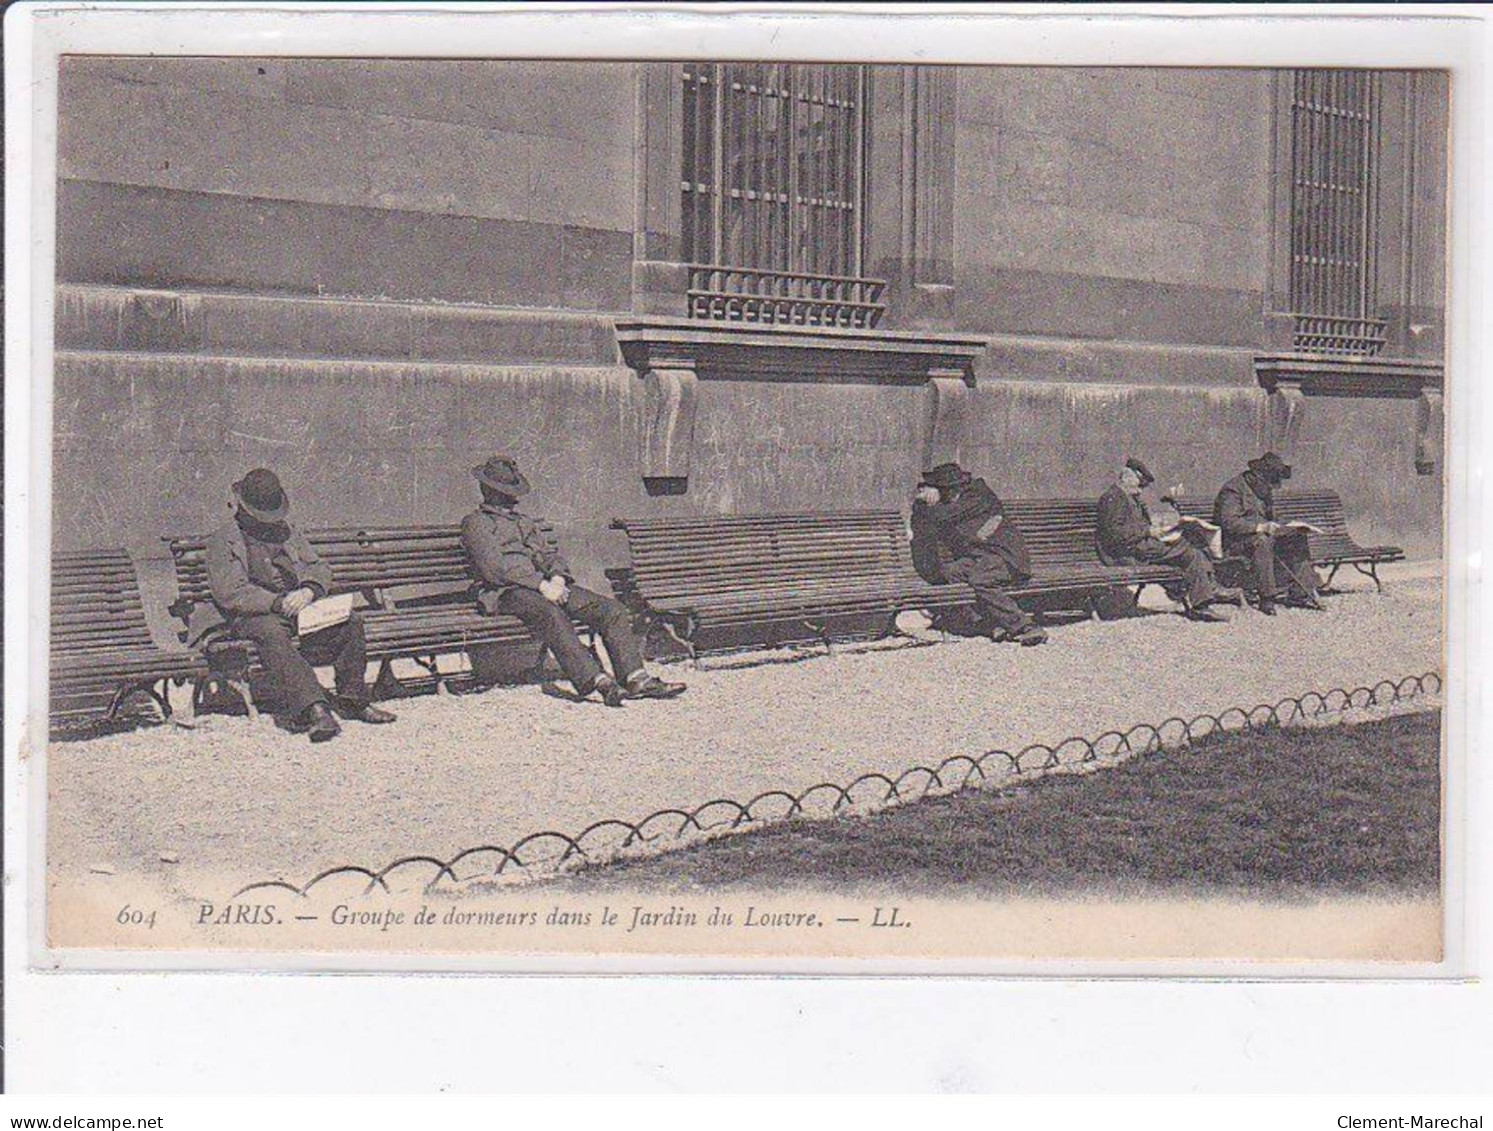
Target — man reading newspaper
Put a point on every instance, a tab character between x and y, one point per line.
1130	532
1245	509
264	575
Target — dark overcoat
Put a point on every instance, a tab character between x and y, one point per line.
964	537
1242	505
1122	526
247	569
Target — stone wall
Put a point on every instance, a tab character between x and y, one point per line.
465	181
1111	241
1112	204
148	443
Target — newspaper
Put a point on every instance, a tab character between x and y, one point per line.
328	612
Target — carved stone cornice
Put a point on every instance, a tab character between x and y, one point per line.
1314	375
674	355
733	351
1290	378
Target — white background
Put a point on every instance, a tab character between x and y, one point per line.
264	1032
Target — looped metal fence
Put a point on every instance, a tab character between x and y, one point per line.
548	853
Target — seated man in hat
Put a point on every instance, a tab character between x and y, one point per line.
262	572
1127	534
521	572
1245	509
960	533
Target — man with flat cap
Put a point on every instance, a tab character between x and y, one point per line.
520	571
1245	509
1127	535
960	533
262	572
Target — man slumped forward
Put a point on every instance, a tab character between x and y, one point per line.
1245	508
1128	535
262	572
521	572
960	533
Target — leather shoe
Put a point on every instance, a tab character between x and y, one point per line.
1205	615
1226	596
1307	601
321	724
609	689
647	686
1028	637
364	713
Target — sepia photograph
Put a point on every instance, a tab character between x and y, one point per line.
777	509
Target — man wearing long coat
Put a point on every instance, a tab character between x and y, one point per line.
520	571
960	533
1245	509
262	572
1125	535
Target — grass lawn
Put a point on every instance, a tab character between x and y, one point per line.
1286	814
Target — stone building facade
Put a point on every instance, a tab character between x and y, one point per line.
372	274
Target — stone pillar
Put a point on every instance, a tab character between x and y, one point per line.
1428	431
1286	404
659	278
669	399
945	422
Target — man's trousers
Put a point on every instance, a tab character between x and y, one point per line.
1197	569
989	576
1272	555
289	681
551	625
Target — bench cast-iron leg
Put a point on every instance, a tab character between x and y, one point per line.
159	698
1373	572
239	687
685	640
821	630
386	684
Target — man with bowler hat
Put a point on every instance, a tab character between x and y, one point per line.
262	572
1126	535
521	572
960	533
1245	509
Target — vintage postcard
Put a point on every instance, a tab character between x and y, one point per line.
794	510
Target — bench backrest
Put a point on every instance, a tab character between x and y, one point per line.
96	604
1323	509
716	553
706	554
377	561
1058	532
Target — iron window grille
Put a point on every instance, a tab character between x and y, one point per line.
773	186
1334	213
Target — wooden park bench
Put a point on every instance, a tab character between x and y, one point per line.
417	595
819	576
1332	549
102	651
418	600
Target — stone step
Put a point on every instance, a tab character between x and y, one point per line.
228	324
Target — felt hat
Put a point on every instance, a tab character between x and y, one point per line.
946	476
501	473
1135	465
260	494
1271	466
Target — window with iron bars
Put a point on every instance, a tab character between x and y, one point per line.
1334	161
773	185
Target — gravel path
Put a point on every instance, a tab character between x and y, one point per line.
246	802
